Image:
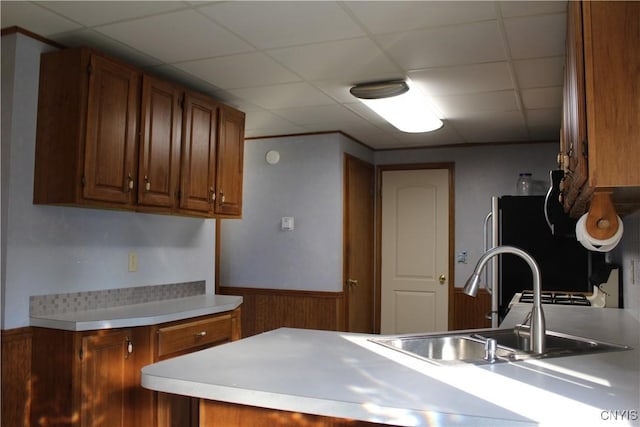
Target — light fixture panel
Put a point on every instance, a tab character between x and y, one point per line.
409	111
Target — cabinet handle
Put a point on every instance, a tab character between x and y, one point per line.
129	183
213	194
201	334
129	348
147	184
221	197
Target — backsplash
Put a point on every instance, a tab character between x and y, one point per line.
40	305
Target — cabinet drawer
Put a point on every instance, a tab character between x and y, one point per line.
185	336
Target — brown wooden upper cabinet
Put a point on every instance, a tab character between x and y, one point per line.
600	140
160	137
230	161
111	136
197	184
86	143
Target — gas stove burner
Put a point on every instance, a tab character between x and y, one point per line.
562	298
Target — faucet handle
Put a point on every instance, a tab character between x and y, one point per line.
490	350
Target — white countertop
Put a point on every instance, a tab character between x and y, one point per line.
344	375
151	313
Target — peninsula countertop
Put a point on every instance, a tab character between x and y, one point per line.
143	314
345	375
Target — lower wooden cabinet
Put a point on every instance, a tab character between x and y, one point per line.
92	378
89	378
182	337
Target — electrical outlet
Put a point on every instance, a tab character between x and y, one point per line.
133	262
461	257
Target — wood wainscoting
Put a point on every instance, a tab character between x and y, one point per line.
470	312
267	309
16	377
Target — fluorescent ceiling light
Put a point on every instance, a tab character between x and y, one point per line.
400	103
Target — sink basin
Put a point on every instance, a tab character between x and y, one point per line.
557	344
443	348
512	345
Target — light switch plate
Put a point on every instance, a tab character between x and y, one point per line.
287	223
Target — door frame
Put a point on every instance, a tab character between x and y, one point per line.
345	240
450	167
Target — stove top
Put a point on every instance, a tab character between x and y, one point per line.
564	298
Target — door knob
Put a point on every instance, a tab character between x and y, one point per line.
442	279
352	282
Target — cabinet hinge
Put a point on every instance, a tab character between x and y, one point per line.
89	68
83	181
585	148
81	354
178	195
182	102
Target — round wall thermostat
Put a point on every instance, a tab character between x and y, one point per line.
273	157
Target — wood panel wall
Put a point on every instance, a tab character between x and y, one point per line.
470	312
267	309
16	377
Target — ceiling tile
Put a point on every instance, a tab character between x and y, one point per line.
445	46
90	13
185	35
284	96
541	72
334	115
339	89
34	18
392	17
236	71
265	120
524	8
91	38
492	127
544	124
548	97
358	59
465	79
373	137
456	106
536	37
267	24
170	72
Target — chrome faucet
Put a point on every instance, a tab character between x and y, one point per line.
537	341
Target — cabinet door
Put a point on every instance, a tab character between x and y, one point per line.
574	106
112	116
160	143
199	133
612	75
107	379
230	161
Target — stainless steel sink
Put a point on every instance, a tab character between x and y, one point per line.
464	348
556	344
511	345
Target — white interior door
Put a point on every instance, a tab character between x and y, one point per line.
415	251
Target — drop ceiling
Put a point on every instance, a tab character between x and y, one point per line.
493	70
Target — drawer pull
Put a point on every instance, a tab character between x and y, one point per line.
201	334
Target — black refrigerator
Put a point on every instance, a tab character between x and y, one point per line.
565	265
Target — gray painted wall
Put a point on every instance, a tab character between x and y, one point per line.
307	185
48	249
